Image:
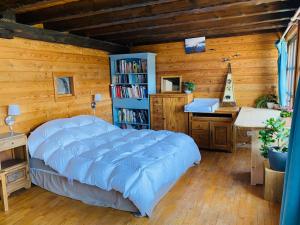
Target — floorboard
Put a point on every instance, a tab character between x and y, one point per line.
217	192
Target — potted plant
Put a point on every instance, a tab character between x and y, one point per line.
274	138
286	113
266	101
189	87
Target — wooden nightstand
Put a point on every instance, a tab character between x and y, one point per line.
14	161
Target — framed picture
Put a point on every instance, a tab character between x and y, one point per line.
194	45
170	84
64	85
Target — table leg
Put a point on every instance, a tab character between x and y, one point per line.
4	197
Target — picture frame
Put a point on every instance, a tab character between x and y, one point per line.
64	85
194	45
171	84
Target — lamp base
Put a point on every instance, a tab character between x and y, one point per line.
9	121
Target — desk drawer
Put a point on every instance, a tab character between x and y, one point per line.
13	143
200	125
156	101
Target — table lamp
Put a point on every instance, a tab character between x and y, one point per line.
97	98
13	111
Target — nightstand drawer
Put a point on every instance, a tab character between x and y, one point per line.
17	178
13	142
17	175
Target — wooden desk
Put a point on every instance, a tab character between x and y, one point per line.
253	119
213	131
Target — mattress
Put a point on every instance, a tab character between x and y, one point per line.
47	178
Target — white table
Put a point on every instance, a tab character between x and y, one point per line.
253	119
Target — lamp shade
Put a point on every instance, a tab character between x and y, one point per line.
97	97
14	110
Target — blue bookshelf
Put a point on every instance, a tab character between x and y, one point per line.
132	81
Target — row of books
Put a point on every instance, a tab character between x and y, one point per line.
129	91
132	116
126	78
132	66
133	126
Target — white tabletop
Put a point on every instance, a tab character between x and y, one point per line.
254	117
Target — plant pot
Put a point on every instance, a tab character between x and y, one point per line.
277	159
270	105
276	106
187	91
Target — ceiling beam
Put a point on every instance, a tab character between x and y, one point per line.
41	5
200	21
83	8
8	15
152	14
239	32
209	32
8	4
11	29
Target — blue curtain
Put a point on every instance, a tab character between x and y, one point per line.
290	208
282	66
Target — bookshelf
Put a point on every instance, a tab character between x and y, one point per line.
132	81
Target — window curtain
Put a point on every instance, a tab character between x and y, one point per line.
290	208
282	66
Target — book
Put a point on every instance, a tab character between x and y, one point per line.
129	91
131	66
133	116
126	79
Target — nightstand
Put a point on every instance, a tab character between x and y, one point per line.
14	165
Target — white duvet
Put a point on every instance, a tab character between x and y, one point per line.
141	164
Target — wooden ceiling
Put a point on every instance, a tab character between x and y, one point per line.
134	22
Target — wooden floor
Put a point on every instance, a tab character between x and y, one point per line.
217	192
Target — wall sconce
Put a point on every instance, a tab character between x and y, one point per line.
13	111
97	98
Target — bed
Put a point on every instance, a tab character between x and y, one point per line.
88	159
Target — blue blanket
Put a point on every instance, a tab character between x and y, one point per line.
141	164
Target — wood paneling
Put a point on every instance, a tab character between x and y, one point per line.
217	192
254	68
26	78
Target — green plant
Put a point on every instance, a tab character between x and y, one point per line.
261	102
286	113
275	135
189	86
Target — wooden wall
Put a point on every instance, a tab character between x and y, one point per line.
254	70
26	69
